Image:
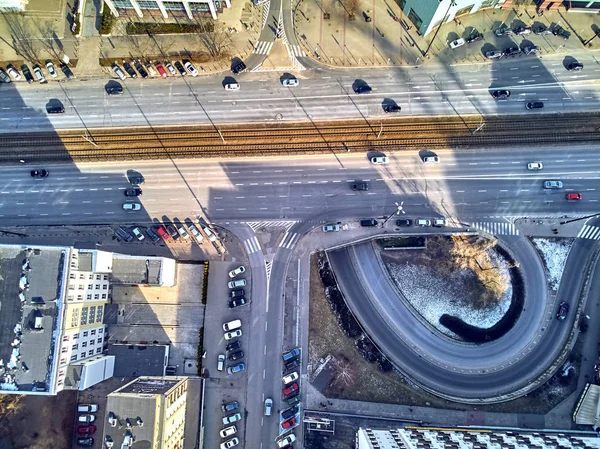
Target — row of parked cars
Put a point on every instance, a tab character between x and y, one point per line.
165	232
38	74
153	68
230	428
290	395
85	427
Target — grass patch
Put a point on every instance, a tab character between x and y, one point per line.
168	28
106	21
403	242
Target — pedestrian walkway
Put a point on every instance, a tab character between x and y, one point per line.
262	47
289	240
252	245
256	225
589	232
496	228
295	51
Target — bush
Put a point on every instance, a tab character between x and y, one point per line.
200	349
76	28
106	21
168	28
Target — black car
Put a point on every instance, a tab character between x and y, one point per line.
39	173
136	179
172	231
236	355
391	108
85	442
238	293
541	30
136	191
287	414
405	222
124	234
27	73
535	105
114	89
55	109
363	89
360	186
153	236
370	222
511	51
559	31
292	365
563	309
180	68
522	30
474	38
501	94
239	67
575	66
66	70
233	346
129	69
140	68
503	31
238	302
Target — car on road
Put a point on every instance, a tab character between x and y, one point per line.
390	108
179	66
138	234
423	222
288	423
363	89
197	235
173	232
183	232
235	334
535	166
117	70
523	30
37	71
379	160
114	89
132	206
228	431
135	191
221	363
236	355
493	54
236	368
331	228
13	72
27	73
501	94
230	443
87	408
51	69
211	236
171	69
287	414
290	355
232	86
162	232
83	429
563	309
229	406
290	378
573	196
239	270
161	69
135	179
237	293
360	186
39	173
233	346
85	442
286	441
457	43
559	31
431	160
535	105
503	31
237	283
86	418
190	68
232	418
290	82
439	222
290	389
268	406
140	68
404	222
512	51
129	69
4	77
553	185
575	67
238	303
153	236
55	109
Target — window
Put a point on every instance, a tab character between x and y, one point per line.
81	276
100	330
82	355
81	287
96	296
72	276
79	297
92	342
90	276
99	312
71	287
73	358
70	298
98	277
105	277
122	4
91	352
75	346
65	338
84	344
103	295
147	4
105	287
64	349
97	286
99	340
89	296
93	332
85	334
75	337
98	350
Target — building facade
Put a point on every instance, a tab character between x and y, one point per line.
191	8
13	5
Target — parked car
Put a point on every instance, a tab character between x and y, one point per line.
85	442
573	196
238	303
229	406
288	423
404	222
237	283
293	364
293	400
563	309
172	232
194	231
236	368
4	77
232	418
221	363
360	186
132	206
87	408
535	105
138	234
290	389
493	54
503	31
331	228
135	191
232	86
535	166
286	441
129	69
559	31
368	223
27	74
523	30
553	185
161	69
230	443
170	68
290	82
141	69
287	414
37	71
290	378
379	160
87	418
232	325
117	71
51	69
190	68
180	68
83	429
457	43
474	37
541	30
39	173
237	293
575	66
67	71
530	49
13	72
153	236
228	431
239	270
235	334
236	355
233	346
287	356
501	94
268	406
211	236
183	232
124	234
162	232
512	51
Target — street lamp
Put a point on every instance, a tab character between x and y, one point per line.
399	209
452	3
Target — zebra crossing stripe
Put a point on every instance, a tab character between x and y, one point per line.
288	243
294	51
262	47
252	245
589	232
496	228
268	267
256	225
266	6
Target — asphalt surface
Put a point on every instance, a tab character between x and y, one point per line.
323	94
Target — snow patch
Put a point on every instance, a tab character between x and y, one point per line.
554	253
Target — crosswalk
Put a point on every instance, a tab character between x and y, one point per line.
289	240
295	51
256	225
496	228
266	6
262	47
252	245
589	232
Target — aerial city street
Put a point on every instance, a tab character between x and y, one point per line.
320	224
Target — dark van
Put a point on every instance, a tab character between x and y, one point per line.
369	222
55	109
124	234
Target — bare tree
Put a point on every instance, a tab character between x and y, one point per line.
328	5
10	404
214	37
49	40
21	37
351	6
344	373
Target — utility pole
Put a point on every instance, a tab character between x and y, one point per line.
579	219
452	3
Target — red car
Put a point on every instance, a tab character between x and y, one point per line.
86	430
289	423
574	196
290	389
161	69
162	232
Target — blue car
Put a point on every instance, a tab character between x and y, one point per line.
291	354
236	369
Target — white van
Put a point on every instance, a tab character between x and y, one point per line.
423	222
232	325
237	284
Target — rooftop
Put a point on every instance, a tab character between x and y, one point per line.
139	360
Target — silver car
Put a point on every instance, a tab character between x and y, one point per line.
493	54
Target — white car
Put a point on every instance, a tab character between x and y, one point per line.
86	418
286	441
194	231
132	206
233	334
170	68
290	82
238	270
228	431
138	234
190	68
431	160
51	69
212	237
232	418
268	406
39	74
220	364
117	70
183	232
379	160
87	408
230	443
534	166
457	43
232	86
331	228
13	72
237	284
290	378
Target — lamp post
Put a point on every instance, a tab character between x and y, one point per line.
452	3
399	210
579	219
